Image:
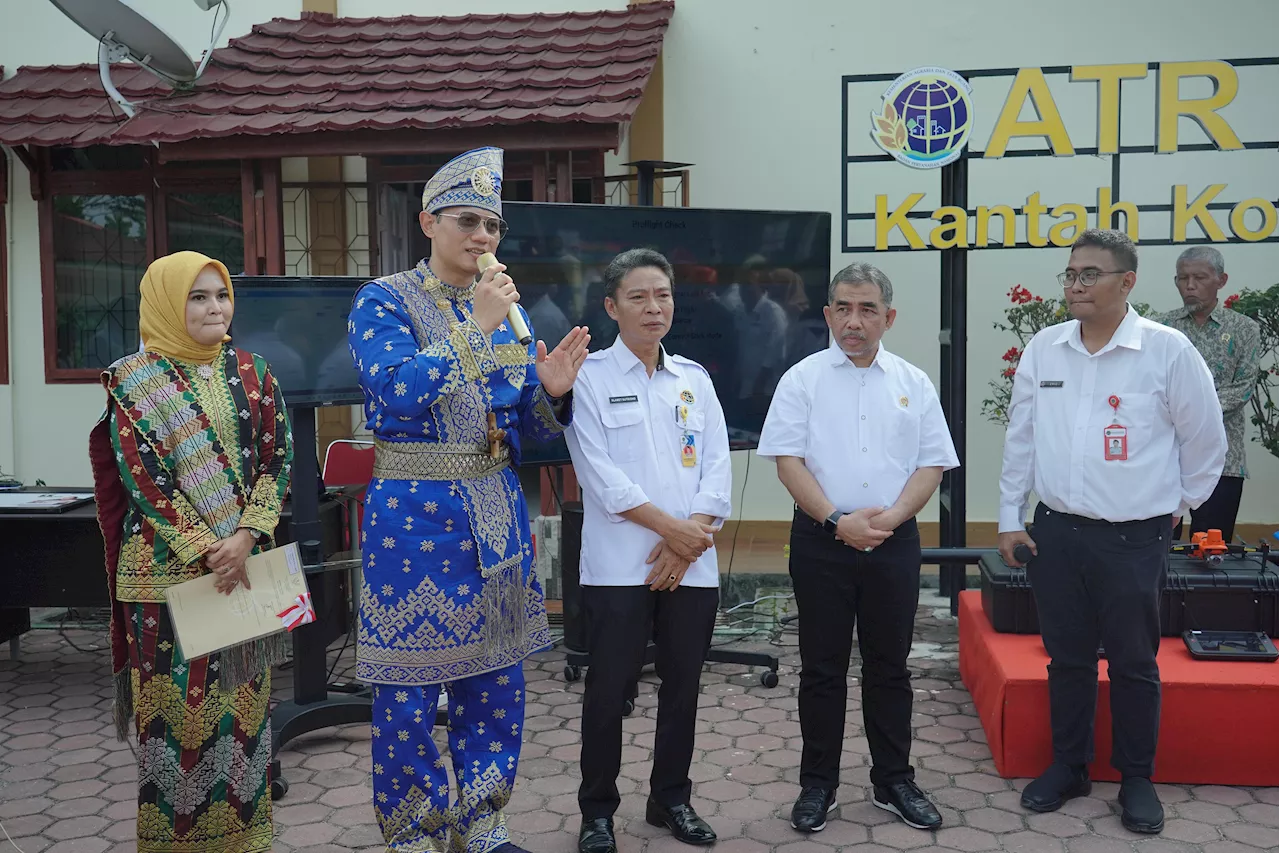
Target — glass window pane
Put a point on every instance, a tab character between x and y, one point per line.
208	223
100	255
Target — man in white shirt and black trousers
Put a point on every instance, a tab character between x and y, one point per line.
861	443
1114	421
651	452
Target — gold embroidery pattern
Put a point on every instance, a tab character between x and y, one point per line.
263	512
193	723
450	642
546	413
414	826
220	829
491	508
512	355
423	460
514	359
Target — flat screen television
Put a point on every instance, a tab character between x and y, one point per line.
750	286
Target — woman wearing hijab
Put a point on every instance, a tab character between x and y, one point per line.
191	463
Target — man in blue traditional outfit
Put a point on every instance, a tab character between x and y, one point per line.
449	599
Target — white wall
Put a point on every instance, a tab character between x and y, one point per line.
753	97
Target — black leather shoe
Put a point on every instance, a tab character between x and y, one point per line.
909	803
1055	786
682	820
596	836
809	814
1140	806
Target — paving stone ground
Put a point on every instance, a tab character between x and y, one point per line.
67	786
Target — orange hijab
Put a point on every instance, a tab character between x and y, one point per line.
162	316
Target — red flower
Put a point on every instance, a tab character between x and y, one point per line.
1019	295
1038	299
1231	301
1008	372
1011	355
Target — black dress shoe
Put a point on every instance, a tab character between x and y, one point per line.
596	836
909	803
1055	786
1140	806
682	820
809	814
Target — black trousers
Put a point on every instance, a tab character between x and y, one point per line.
620	621
1097	583
839	589
1219	511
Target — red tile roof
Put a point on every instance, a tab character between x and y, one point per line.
320	73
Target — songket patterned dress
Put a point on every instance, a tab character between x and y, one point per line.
184	456
449	598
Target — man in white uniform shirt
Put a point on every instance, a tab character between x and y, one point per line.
861	443
1114	421
651	453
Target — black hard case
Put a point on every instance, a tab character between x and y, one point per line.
1239	595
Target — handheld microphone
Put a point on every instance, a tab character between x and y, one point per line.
514	317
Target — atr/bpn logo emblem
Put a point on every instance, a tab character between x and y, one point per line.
925	119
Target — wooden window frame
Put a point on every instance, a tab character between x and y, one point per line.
153	183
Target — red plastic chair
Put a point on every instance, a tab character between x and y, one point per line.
348	464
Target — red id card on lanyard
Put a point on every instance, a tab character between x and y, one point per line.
1115	447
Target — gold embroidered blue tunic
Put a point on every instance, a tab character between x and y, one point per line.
449	589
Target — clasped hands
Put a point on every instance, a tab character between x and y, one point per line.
866	528
226	559
683	542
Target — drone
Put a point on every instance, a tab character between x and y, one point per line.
1209	547
124	33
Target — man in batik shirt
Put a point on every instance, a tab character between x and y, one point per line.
450	600
1228	342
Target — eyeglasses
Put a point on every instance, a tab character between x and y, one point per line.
1087	278
468	222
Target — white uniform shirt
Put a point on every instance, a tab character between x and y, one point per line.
626	442
861	432
1176	444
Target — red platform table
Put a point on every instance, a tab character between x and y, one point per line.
1218	719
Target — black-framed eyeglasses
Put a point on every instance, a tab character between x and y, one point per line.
468	222
1087	278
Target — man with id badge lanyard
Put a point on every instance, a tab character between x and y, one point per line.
1115	423
651	452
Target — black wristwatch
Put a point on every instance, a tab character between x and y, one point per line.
832	520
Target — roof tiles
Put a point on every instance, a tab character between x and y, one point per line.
320	73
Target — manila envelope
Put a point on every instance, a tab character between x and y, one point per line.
205	620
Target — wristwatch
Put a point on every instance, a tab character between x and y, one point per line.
832	520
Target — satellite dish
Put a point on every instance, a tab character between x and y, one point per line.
124	33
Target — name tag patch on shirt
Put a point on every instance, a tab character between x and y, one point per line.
630	398
1051	383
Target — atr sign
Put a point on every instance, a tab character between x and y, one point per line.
925	135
